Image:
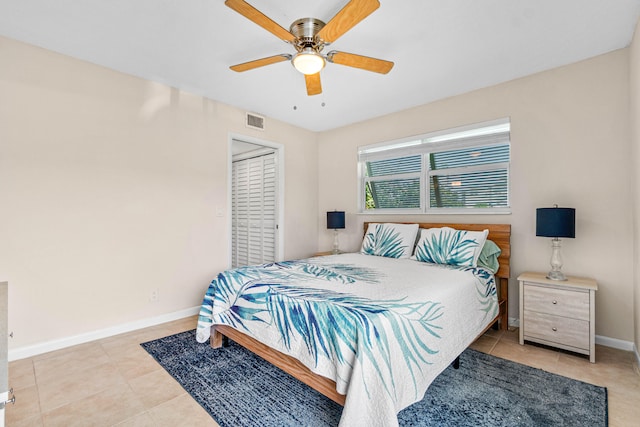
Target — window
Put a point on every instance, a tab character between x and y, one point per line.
394	183
462	170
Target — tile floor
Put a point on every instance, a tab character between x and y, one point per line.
114	382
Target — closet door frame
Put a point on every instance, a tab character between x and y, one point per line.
279	154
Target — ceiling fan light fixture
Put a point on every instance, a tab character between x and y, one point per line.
308	61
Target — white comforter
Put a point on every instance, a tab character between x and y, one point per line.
381	328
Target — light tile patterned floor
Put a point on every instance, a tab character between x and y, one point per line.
114	382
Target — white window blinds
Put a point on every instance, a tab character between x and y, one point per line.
455	171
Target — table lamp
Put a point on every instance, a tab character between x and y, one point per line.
335	221
556	222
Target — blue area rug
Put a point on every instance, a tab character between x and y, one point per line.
238	388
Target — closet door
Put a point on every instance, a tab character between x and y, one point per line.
254	200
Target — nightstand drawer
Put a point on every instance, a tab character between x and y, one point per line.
556	329
558	302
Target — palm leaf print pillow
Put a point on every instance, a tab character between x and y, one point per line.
390	240
448	246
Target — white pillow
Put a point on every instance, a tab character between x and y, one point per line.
390	240
449	246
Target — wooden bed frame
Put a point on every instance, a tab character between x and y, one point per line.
499	233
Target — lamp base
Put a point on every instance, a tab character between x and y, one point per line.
336	244
556	275
556	261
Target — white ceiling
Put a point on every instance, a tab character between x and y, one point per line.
440	47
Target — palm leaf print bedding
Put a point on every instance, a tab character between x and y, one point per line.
381	328
452	248
383	241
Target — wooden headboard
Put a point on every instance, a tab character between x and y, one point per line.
499	233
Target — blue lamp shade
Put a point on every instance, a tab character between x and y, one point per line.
556	222
335	220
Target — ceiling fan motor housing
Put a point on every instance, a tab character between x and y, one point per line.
305	31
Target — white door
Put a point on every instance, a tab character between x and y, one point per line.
254	185
4	343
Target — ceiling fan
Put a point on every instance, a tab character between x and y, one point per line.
309	36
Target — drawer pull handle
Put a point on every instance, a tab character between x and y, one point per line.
554	329
554	302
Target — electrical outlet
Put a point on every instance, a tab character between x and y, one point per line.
155	295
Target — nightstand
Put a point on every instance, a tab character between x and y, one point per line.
323	253
558	313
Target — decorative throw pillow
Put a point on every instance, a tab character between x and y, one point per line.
448	246
390	240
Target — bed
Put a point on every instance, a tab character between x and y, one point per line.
369	332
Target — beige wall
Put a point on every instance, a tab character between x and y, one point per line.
570	146
110	186
634	82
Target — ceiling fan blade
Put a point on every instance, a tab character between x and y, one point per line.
314	87
354	12
253	14
245	66
358	61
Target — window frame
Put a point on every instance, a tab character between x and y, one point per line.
475	135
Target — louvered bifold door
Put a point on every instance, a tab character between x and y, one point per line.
254	201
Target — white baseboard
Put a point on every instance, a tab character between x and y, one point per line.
33	350
615	343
